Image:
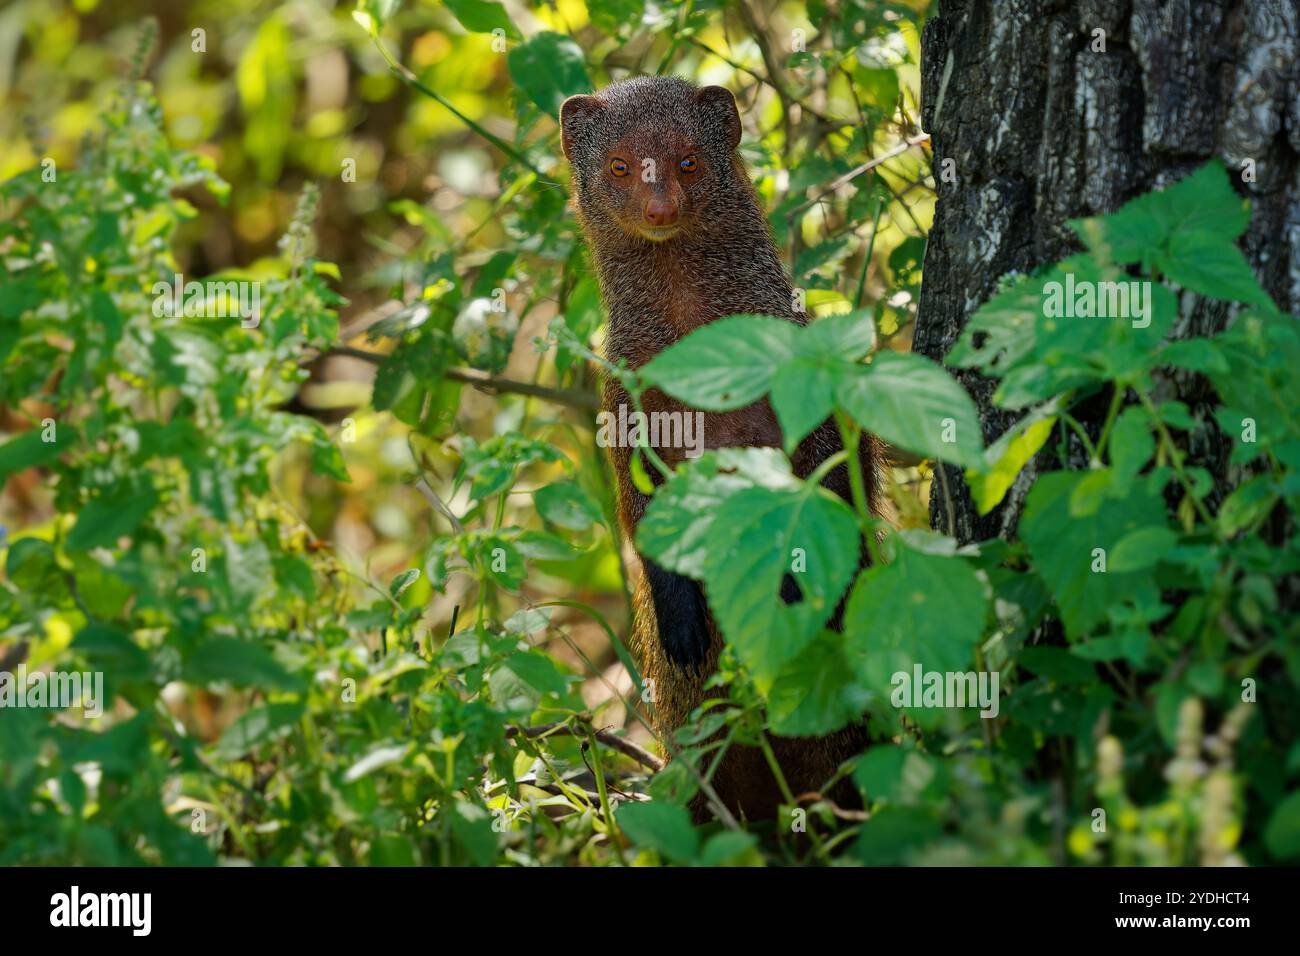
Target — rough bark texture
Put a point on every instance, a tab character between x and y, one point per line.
1043	128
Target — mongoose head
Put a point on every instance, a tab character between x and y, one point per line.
653	158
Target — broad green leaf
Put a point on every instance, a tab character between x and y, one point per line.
760	535
663	827
241	663
30	449
913	403
567	505
1213	266
549	68
616	16
921	609
383	755
803	396
483	16
403	581
108	517
845	337
725	364
815	693
1142	549
1282	834
676	529
1067	541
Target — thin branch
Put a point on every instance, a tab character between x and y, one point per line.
624	746
408	77
859	170
481	379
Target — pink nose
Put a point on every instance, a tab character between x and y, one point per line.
660	212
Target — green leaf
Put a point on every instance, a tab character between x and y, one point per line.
1142	549
383	755
112	650
676	529
803	396
1282	835
472	827
1213	266
482	16
1202	204
549	68
1004	459
1131	446
662	827
729	848
403	581
256	727
759	535
725	364
741	538
913	403
845	337
110	516
922	609
241	663
567	505
29	449
519	684
1067	538
815	692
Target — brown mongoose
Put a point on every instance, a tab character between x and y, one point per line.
678	239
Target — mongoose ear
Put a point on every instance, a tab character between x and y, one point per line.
575	114
719	106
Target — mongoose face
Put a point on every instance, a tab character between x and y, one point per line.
654	158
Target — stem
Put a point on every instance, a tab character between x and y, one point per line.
786	793
406	76
1176	457
604	796
1116	400
866	259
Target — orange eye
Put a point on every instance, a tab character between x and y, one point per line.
689	165
618	167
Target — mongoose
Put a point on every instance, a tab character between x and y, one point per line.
678	239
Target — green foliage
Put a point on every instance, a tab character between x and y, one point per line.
1157	615
271	697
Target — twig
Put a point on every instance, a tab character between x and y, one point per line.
858	170
812	796
481	379
406	76
608	738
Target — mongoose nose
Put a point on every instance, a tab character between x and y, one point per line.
660	212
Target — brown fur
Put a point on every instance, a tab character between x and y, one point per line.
720	261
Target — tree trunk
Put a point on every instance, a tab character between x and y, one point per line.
1046	119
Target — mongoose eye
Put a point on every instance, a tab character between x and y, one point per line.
689	165
618	167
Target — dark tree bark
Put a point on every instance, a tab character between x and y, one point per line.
1043	128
